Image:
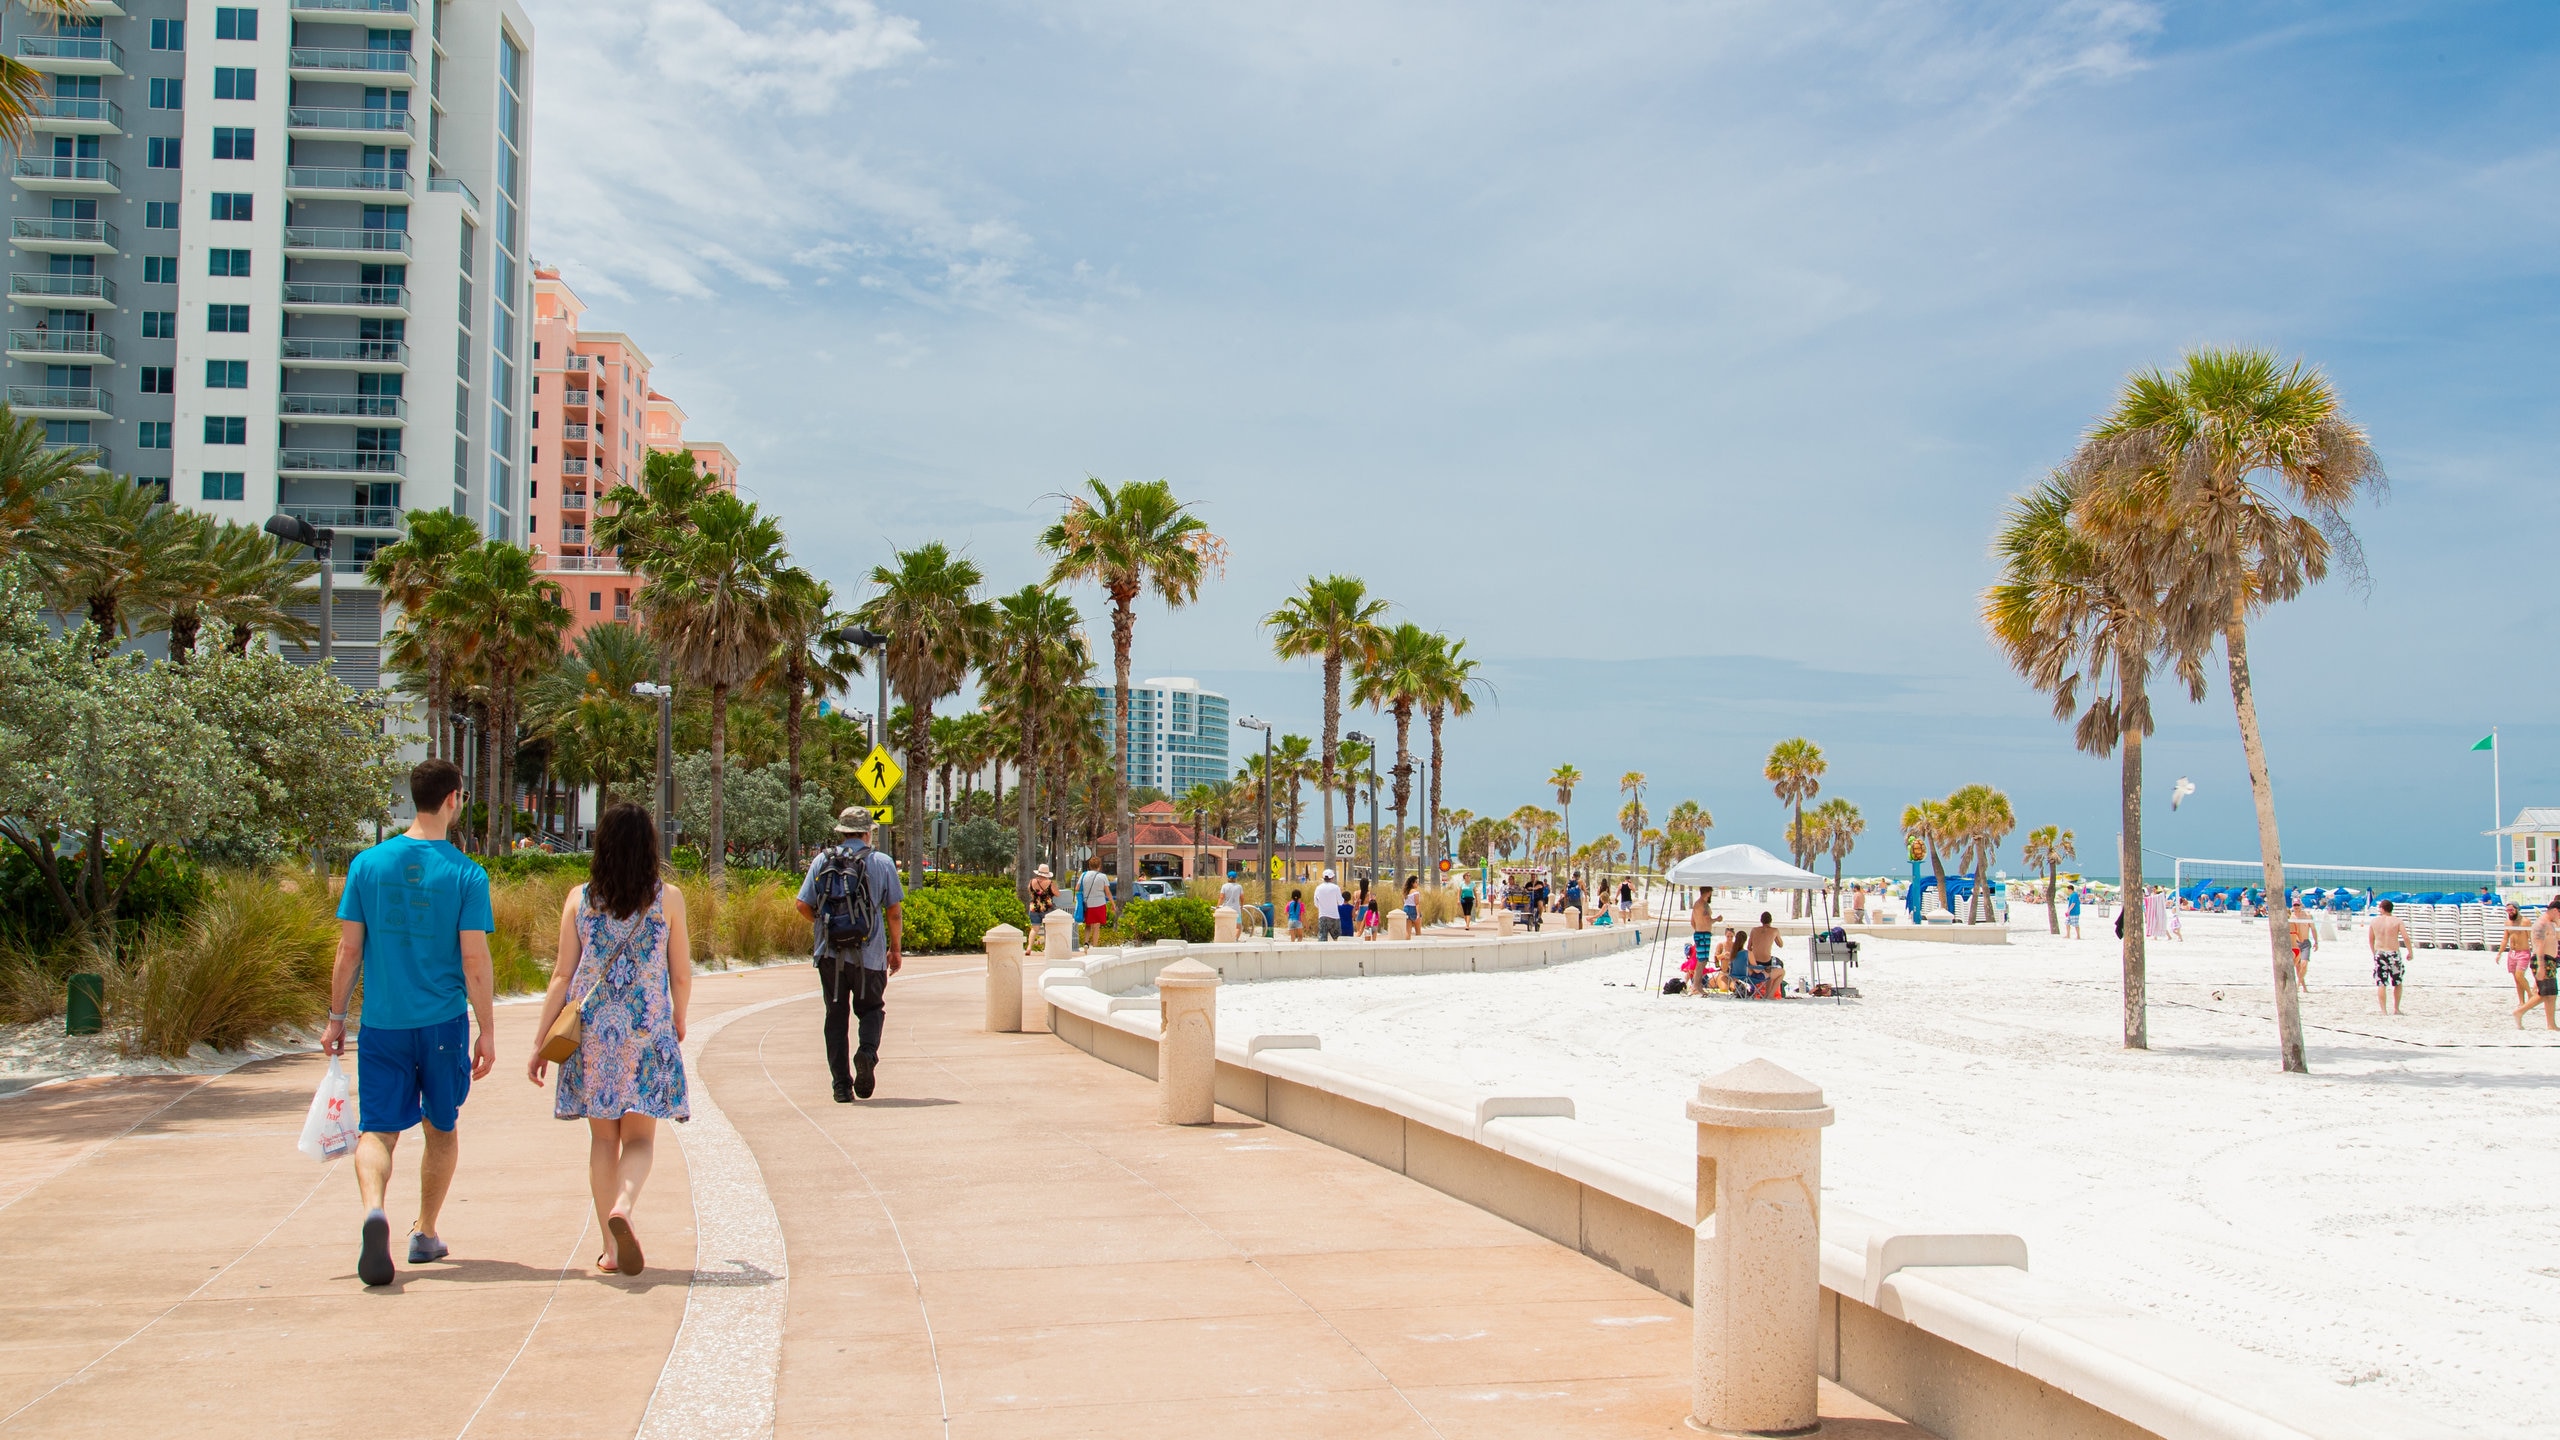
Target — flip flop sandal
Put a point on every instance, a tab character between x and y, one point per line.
627	1259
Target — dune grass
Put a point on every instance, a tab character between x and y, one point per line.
253	959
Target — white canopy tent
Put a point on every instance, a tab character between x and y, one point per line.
1726	867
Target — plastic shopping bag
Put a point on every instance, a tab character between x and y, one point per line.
329	1130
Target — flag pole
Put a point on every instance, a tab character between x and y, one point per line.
2497	855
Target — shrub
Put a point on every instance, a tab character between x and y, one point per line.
169	886
515	971
254	958
955	880
33	978
529	863
527	938
928	920
1177	917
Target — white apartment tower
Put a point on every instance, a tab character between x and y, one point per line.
270	256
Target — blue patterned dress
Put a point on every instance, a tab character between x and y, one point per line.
627	1062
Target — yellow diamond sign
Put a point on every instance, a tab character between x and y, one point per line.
882	814
879	774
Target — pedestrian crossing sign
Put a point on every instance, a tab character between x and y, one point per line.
882	814
880	775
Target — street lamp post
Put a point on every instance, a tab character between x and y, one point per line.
862	637
294	530
665	695
1250	723
1356	738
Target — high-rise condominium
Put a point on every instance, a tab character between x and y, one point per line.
271	257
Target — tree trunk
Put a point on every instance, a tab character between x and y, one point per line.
1795	845
1946	897
1332	729
791	738
1022	837
2052	881
1124	619
1432	806
1403	773
2244	701
488	786
919	760
184	625
2137	985
716	860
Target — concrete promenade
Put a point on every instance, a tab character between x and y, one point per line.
1001	1243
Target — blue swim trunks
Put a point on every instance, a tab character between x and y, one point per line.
403	1076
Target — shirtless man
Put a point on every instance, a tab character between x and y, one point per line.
2391	954
1764	941
2546	968
2306	936
1702	935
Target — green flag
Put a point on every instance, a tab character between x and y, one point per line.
2488	741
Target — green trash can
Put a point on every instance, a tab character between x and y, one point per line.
85	1013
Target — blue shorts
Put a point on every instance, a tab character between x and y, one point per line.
404	1076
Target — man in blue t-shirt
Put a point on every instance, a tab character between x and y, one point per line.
856	978
415	914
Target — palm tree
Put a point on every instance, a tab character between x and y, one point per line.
1356	757
717	606
2048	846
2259	463
1927	829
1293	763
1129	539
1686	827
33	474
119	554
644	525
1334	620
22	85
1564	778
1981	818
807	658
2072	609
583	706
407	571
1632	817
1841	825
946	735
1794	771
1200	802
238	577
1450	689
1037	656
507	622
1394	678
938	628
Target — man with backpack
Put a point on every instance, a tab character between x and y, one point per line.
853	901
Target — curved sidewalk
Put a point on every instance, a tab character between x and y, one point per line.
1003	1242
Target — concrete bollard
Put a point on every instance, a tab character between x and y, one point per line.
1397	929
1004	979
1505	921
1059	941
1187	1056
1225	918
1758	1291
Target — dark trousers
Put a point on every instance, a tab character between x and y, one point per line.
852	990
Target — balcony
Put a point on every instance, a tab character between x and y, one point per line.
70	55
97	453
573	534
63	292
577	363
66	175
55	345
74	237
313	63
346	354
323	122
76	115
61	402
318	298
575	399
379	14
321	242
341	462
576	434
596	564
375	409
447	185
573	502
573	465
347	517
326	181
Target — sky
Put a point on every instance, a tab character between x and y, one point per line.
1678	357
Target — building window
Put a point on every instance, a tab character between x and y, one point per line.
154	434
234	142
235	22
226	374
159	380
168	34
156	483
162	154
235	83
160	269
226	485
231	205
226	262
168	94
159	214
159	324
226	430
227	319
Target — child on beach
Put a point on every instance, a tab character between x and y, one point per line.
1297	918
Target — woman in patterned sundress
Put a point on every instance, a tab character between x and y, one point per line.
624	959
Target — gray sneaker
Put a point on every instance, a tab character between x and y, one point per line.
425	1248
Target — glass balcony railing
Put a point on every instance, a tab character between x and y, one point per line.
59	397
346	517
326	237
371	62
446	184
63	232
348	462
65	287
80	107
293	403
355	7
391	352
97	454
68	168
63	342
380	297
71	48
370	122
342	177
